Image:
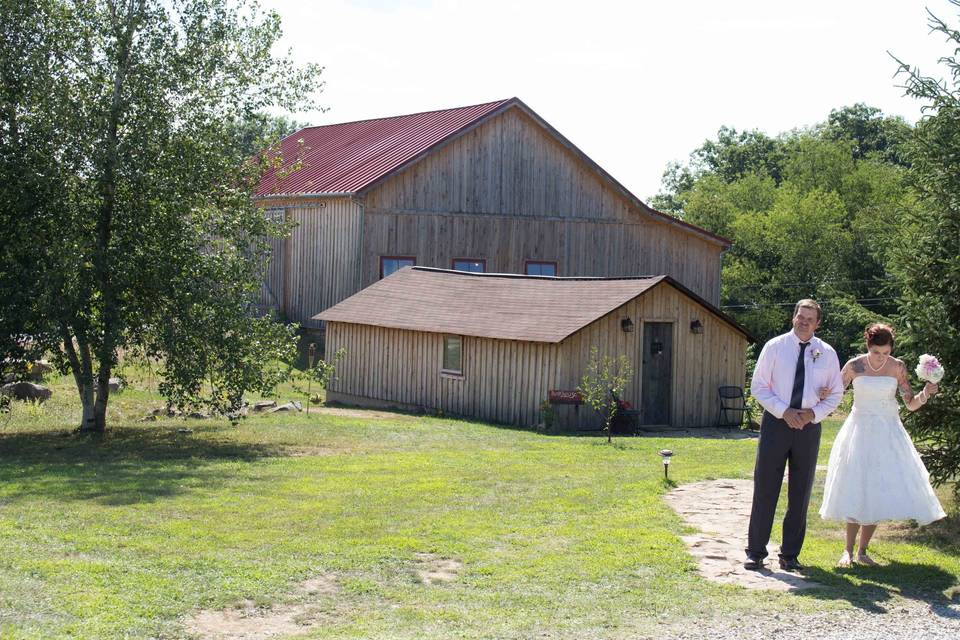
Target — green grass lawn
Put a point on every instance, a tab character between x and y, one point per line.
126	536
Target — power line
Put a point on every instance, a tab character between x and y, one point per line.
820	284
863	302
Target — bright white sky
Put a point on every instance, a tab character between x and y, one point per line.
633	84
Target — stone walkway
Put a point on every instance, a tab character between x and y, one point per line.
720	510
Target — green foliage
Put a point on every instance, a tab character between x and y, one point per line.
548	416
873	135
604	378
927	257
812	213
322	373
734	155
125	179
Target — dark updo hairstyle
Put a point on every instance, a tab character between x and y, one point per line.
879	334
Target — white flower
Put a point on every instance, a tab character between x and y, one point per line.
816	354
930	369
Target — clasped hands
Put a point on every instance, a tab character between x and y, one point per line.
798	418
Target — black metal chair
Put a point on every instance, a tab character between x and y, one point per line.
733	407
625	421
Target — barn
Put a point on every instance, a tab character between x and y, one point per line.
496	346
484	188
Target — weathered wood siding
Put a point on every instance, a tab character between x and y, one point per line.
502	381
271	291
318	265
507	192
701	362
579	247
506	165
505	381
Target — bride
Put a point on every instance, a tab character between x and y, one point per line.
875	473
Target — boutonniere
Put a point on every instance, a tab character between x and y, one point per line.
816	353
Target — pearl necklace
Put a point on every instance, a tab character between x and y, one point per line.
877	370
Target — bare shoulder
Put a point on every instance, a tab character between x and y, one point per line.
899	365
857	364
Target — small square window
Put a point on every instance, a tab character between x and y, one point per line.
470	264
452	354
539	268
391	264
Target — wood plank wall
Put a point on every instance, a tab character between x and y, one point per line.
507	191
505	381
702	362
321	258
581	247
271	291
506	165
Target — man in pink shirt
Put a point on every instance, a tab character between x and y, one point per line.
790	370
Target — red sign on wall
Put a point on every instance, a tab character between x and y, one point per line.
564	397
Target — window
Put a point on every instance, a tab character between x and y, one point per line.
275	214
472	265
452	355
389	264
537	268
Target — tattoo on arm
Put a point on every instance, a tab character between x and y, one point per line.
858	366
905	390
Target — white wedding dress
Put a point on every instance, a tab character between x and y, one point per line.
875	472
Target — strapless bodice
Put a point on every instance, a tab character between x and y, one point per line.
875	395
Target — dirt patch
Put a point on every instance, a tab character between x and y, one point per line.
249	621
432	569
720	509
300	452
358	413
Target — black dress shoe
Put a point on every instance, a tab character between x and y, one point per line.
790	564
753	564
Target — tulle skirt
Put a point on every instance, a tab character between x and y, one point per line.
875	473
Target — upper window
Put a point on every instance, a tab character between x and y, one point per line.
452	354
537	268
389	264
275	214
469	264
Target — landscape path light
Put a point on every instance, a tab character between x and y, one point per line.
666	454
311	354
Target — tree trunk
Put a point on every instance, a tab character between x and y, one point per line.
88	422
103	394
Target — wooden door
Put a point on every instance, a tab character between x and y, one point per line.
657	383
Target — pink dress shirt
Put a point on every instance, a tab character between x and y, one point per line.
772	383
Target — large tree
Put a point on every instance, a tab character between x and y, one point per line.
125	185
811	213
927	259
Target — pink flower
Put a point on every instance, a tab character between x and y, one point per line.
930	369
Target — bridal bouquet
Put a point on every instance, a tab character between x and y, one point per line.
930	369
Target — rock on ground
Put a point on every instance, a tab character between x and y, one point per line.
26	391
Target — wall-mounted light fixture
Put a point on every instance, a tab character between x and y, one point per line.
627	325
696	326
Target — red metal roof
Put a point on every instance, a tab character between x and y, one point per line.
344	158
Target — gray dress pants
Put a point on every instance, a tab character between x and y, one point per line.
779	445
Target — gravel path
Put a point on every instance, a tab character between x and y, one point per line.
720	509
899	618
